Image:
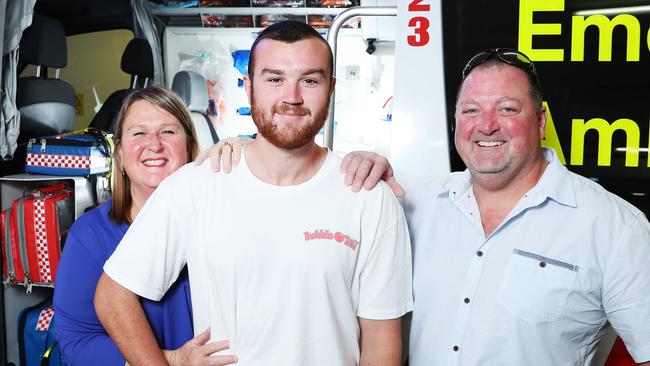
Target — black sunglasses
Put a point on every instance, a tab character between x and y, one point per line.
506	55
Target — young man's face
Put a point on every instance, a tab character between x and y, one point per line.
498	130
290	90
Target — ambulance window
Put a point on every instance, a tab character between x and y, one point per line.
593	75
94	69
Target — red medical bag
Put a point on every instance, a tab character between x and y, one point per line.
32	230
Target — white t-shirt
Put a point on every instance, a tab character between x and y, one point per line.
282	272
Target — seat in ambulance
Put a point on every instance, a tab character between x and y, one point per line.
193	90
137	61
46	104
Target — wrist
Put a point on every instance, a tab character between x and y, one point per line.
171	357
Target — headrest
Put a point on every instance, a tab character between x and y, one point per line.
191	87
43	43
137	58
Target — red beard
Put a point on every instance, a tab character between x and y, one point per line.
288	137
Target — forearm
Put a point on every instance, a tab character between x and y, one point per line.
122	316
381	342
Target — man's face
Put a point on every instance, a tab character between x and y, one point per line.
290	91
498	131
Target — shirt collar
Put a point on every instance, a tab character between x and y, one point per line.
555	182
458	184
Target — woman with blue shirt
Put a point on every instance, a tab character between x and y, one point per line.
153	137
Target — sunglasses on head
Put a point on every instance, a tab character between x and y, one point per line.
506	55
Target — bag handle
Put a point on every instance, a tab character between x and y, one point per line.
109	147
50	189
105	139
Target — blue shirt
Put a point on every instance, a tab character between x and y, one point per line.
538	290
83	340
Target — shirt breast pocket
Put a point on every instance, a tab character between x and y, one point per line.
534	287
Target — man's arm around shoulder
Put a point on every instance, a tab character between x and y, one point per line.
381	342
121	314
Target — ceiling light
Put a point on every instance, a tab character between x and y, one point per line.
642	9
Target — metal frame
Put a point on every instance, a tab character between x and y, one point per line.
332	35
248	11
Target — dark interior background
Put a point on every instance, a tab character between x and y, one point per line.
585	90
83	16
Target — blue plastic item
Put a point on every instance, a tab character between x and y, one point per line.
244	111
240	59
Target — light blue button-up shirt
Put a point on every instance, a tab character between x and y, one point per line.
540	288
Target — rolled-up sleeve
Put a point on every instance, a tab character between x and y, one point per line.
151	255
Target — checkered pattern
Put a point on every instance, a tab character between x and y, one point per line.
44	319
40	235
59	161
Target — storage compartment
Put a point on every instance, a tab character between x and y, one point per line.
14	298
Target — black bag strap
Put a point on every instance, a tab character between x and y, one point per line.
108	147
45	357
215	138
104	138
93	184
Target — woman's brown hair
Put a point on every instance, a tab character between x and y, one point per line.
161	98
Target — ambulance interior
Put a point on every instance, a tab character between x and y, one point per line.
386	100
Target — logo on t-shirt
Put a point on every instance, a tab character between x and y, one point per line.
322	234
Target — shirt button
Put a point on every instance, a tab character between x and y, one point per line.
479	253
466	300
455	348
542	264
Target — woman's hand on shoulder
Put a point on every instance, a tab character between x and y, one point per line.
226	153
197	352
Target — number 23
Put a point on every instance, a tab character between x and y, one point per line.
420	23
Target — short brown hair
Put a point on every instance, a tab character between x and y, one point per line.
534	88
161	98
288	31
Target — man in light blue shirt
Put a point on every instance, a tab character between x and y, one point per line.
518	261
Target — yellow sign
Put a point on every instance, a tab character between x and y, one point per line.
579	24
579	127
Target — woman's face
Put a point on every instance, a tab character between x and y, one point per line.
152	147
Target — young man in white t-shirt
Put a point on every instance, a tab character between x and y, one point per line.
285	262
